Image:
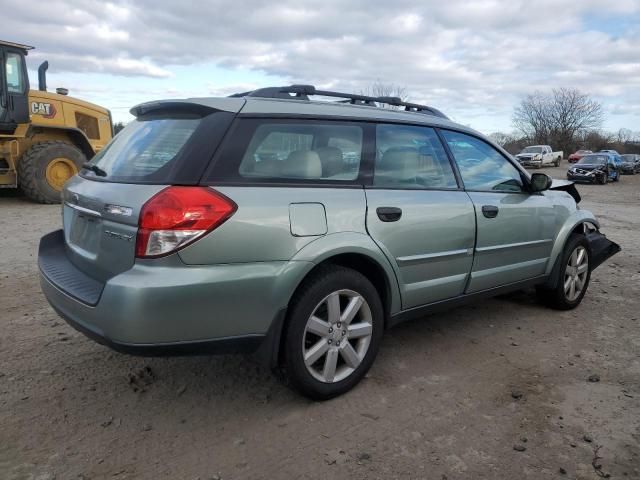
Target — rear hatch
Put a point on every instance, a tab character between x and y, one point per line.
169	143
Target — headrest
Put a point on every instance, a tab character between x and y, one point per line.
399	163
331	159
302	164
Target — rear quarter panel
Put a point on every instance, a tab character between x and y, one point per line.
260	230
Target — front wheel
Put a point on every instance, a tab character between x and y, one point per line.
603	179
573	281
333	332
45	167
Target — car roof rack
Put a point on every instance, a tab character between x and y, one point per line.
302	92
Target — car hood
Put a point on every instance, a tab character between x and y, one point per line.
588	166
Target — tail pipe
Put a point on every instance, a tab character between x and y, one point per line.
42	76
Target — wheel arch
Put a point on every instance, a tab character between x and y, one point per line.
352	250
580	222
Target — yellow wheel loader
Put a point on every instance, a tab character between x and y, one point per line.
45	137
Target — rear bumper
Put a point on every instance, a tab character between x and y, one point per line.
161	308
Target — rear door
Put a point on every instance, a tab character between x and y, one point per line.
418	215
515	229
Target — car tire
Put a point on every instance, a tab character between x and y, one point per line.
564	296
617	178
318	321
603	179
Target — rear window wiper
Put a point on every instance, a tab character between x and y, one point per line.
95	169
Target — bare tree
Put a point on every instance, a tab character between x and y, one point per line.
117	127
557	118
501	138
380	89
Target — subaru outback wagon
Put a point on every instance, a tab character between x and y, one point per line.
300	230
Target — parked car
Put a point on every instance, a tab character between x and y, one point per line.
595	168
301	230
630	163
538	156
574	157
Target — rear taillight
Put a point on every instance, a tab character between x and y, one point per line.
178	216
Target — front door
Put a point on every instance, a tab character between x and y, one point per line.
14	90
418	216
516	229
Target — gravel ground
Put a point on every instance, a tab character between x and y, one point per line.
499	389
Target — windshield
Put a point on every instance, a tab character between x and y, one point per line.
593	160
144	150
628	158
532	150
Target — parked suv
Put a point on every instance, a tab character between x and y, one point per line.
301	230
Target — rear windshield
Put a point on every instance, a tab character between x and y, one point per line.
144	150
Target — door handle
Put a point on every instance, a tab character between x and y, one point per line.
490	211
389	214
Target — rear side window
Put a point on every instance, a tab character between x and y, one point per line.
411	157
291	150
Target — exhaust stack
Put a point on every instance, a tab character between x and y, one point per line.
42	76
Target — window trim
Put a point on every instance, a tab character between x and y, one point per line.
526	184
364	177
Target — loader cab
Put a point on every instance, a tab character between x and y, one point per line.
14	86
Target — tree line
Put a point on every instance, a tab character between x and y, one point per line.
568	120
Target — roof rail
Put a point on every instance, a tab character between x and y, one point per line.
302	92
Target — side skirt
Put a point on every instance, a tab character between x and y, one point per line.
460	300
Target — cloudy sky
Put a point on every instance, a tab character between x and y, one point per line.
472	59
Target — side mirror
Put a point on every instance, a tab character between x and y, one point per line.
540	182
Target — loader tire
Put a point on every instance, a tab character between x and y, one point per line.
45	167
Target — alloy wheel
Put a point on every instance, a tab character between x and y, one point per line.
337	336
575	274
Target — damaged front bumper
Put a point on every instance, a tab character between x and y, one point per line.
601	248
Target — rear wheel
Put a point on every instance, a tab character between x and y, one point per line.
557	162
333	333
45	167
574	277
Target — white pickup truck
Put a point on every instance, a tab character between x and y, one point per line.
538	156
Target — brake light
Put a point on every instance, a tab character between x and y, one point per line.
178	216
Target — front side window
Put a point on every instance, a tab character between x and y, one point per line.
302	150
411	157
15	77
481	166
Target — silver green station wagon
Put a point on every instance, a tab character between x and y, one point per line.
300	230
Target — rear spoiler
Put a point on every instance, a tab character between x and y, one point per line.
199	106
566	186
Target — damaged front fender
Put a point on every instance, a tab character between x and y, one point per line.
601	248
566	186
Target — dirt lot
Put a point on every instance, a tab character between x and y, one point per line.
454	396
